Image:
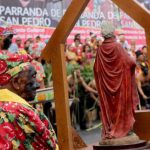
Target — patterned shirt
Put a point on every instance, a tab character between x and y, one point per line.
23	128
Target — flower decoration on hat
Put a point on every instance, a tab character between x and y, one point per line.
10	66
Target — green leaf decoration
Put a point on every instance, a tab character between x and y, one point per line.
11	117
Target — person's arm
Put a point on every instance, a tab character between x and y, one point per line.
69	80
36	125
86	86
94	97
92	85
140	88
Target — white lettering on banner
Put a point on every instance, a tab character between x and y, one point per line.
21	30
13	20
10	20
127	24
93	15
35	30
24	20
14	10
2	8
112	16
22	36
45	13
36	21
8	11
19	11
91	23
29	36
56	13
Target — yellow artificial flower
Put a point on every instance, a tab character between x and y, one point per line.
28	129
15	146
2	115
6	120
22	120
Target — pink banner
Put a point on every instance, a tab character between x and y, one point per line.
31	18
45	33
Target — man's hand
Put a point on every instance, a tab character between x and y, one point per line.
145	97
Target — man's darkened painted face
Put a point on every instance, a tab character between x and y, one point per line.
31	85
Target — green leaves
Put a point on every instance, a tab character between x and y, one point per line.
11	117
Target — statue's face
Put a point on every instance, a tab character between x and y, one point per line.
26	84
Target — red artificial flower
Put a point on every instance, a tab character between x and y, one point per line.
3	66
9	129
14	58
19	58
4	79
2	30
5	144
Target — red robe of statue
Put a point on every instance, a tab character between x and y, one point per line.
115	80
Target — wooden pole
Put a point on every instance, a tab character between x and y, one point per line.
54	53
61	98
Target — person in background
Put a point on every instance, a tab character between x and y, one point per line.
87	41
7	33
19	42
21	49
139	61
144	51
78	36
36	47
37	64
99	41
71	56
92	105
80	89
40	72
77	48
93	42
27	45
21	126
143	84
87	52
13	48
122	40
132	49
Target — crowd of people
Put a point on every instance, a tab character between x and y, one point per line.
22	71
80	57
